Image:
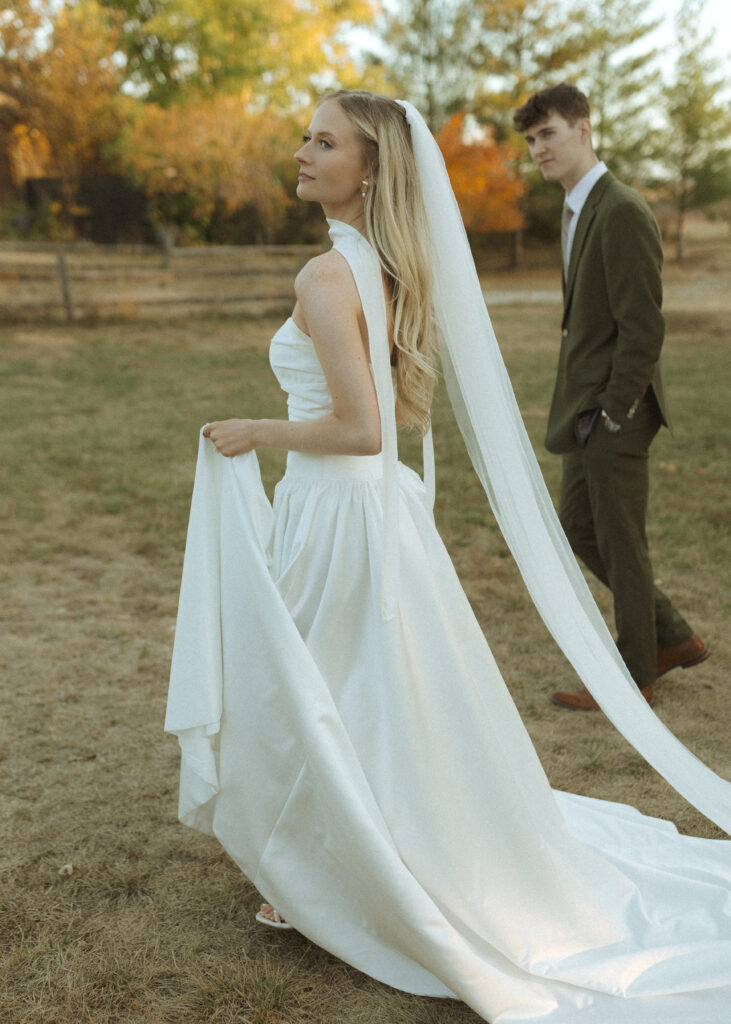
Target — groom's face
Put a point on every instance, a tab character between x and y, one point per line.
560	149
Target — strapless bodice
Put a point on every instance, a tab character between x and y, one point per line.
299	372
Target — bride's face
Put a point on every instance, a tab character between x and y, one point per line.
332	164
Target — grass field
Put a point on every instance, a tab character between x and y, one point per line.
154	924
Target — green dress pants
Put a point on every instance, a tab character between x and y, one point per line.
603	509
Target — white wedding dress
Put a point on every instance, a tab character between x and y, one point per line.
370	773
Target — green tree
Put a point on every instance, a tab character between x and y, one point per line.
483	56
619	76
698	153
271	50
528	44
430	53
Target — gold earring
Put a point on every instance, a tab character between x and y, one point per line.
364	185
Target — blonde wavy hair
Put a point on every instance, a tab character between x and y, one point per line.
396	226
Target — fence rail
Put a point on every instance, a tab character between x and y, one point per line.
78	280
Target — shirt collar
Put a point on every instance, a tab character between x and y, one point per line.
578	195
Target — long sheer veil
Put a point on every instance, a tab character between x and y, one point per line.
489	419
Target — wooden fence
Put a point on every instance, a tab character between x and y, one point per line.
82	280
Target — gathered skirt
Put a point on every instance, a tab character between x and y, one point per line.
374	780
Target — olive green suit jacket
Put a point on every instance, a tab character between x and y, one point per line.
613	327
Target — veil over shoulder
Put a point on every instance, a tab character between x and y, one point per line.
488	416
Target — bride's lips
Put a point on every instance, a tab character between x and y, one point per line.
304	177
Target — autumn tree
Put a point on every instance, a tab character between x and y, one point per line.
58	65
528	44
698	152
29	152
483	178
210	157
482	56
274	50
19	144
618	72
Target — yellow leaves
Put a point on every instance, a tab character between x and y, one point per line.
483	180
66	90
30	154
210	152
276	49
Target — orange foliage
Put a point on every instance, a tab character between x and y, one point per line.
483	178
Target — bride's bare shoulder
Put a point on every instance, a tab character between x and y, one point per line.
328	276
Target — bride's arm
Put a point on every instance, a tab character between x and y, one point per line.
330	308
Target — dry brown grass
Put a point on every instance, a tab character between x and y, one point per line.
155	924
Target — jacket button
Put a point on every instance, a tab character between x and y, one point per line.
565	332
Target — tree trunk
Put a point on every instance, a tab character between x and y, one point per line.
63	278
166	236
516	262
680	229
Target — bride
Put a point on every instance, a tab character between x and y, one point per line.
345	731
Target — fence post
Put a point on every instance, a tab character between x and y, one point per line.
166	241
64	279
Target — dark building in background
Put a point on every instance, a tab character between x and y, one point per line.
108	210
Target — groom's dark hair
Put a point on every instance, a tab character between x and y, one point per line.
564	99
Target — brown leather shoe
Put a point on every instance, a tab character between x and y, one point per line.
582	700
691	652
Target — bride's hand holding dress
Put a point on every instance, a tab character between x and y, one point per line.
233	437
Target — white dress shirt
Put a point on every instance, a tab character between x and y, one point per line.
578	195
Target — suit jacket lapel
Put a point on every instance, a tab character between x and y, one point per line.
586	217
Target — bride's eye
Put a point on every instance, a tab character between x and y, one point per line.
323	143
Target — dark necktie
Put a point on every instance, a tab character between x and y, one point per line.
566	215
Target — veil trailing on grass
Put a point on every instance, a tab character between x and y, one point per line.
489	419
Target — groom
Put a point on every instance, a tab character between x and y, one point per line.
608	401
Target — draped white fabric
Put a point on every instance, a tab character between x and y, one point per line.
443	873
491	424
372	776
